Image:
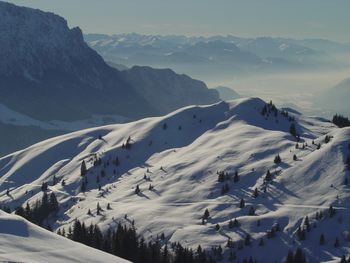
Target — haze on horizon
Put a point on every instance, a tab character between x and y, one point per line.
295	86
295	19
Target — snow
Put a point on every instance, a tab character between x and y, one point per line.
181	162
22	241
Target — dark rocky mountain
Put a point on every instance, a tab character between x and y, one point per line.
48	72
53	68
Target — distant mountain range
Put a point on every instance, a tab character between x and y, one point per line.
336	99
217	53
226	93
48	73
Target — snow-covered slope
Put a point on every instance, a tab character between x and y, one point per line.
180	155
22	241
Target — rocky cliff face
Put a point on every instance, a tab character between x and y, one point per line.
48	72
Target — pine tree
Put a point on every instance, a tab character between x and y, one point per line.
327	139
247	240
235	223
232	257
251	211
277	159
83	169
299	256
268	176
242	203
20	211
292	129
83	186
98	208
290	257
44	187
295	158
230	224
53	202
236	177
331	211
256	193
137	189
206	214
261	242
336	243
307	224
322	240
300	234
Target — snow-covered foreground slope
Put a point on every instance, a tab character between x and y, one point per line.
22	241
180	155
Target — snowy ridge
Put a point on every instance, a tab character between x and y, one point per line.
22	241
179	155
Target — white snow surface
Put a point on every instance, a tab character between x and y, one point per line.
181	161
22	241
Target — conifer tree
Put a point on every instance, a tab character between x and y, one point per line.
236	177
331	211
242	203
206	214
277	159
256	193
268	176
290	257
292	129
322	240
307	224
336	243
251	211
83	169
261	242
137	189
230	224
98	208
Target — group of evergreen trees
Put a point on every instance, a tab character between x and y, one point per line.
40	210
341	121
125	243
297	257
225	176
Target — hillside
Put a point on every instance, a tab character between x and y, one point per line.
190	157
22	241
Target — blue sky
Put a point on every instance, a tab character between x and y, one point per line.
328	19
